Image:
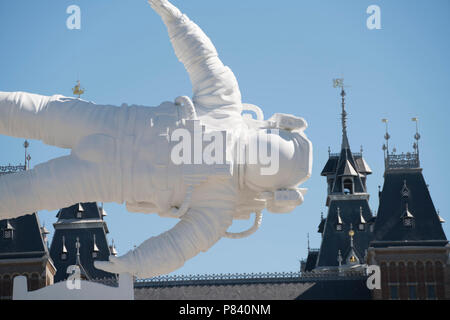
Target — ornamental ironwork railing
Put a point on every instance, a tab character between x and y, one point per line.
355	155
11	169
402	161
246	278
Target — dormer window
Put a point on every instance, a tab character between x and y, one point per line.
339	223
64	249
80	211
8	232
95	249
408	218
362	221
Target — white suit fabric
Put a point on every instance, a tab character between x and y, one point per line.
122	154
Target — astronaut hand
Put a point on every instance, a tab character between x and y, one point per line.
115	265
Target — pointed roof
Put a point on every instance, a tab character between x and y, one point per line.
362	165
95	249
441	220
91	230
83	271
334	240
352	256
8	226
361	217
27	240
311	260
407	213
112	248
405	193
90	210
349	170
345	164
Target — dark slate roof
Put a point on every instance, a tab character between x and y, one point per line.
389	224
67	227
311	260
331	165
334	240
337	290
86	236
346	159
321	226
27	241
90	210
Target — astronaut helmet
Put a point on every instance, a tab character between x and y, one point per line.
278	158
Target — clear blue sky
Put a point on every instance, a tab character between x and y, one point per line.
285	55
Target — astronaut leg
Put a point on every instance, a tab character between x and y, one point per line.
56	120
55	184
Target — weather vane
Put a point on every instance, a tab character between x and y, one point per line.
338	83
77	90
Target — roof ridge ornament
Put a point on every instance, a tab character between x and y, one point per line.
405	190
64	249
361	218
441	220
339	215
407	213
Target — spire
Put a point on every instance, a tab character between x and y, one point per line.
44	233
83	273
77	90
416	137
77	245
112	248
307	235
339	259
26	144
352	256
386	137
340	83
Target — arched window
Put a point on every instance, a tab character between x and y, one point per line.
348	186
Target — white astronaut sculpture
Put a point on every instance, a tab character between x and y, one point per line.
142	156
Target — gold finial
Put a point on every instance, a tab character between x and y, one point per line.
77	90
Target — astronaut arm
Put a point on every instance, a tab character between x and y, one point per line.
197	231
214	85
